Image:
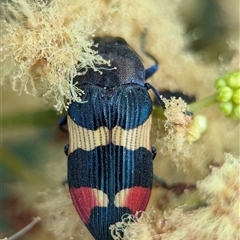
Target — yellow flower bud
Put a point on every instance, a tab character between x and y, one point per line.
233	80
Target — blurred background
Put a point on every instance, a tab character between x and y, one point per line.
30	137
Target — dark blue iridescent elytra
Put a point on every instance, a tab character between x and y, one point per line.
110	169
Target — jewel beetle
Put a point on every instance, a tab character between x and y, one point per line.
110	170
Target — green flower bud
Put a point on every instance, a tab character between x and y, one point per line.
226	107
233	80
220	82
236	96
224	94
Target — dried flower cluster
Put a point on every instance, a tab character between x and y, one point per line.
43	46
182	129
218	220
134	227
175	141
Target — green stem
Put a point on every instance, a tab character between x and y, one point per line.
193	107
37	118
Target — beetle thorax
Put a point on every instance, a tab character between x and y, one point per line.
125	66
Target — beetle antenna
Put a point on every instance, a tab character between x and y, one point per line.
149	71
143	44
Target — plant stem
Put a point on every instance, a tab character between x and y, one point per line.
25	229
208	101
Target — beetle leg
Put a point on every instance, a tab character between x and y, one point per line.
62	123
150	71
160	181
66	147
178	94
154	152
157	94
65	182
177	188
